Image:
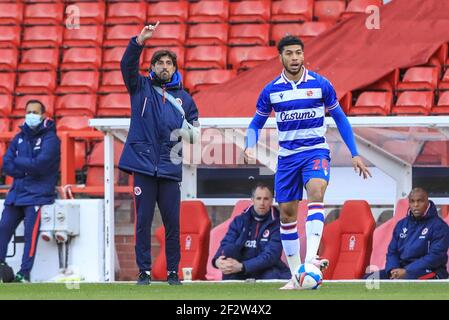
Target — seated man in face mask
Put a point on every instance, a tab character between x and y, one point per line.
32	159
252	248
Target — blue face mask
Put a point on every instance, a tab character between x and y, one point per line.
33	120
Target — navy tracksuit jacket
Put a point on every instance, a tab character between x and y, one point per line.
32	159
256	244
148	154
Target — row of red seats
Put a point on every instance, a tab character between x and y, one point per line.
182	11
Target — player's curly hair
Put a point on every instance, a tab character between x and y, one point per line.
288	41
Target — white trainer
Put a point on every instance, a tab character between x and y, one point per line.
292	284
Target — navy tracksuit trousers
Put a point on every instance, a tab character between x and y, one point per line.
166	192
11	218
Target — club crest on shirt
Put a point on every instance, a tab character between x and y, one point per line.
424	231
178	100
137	191
266	233
309	93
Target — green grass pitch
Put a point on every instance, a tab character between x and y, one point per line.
224	291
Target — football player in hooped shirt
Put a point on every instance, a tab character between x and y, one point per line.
300	98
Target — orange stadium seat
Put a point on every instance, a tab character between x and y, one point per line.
8	59
250	11
311	29
207	34
43	13
249	34
206	57
81	59
42	36
358	7
39	59
382	235
9	36
89	12
280	30
209	11
112	58
21	101
442	106
419	78
195	228
85	36
7	82
200	79
5	107
11	13
347	241
126	12
114	105
413	103
372	103
291	10
112	81
168	35
168	12
329	10
119	35
148	53
76	105
248	57
444	83
36	82
78	82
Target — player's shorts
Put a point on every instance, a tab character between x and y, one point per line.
294	171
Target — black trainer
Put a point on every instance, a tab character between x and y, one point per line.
144	278
172	278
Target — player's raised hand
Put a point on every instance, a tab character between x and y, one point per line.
360	167
146	33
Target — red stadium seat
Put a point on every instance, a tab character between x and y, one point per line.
36	82
5	107
386	83
413	103
329	10
217	234
11	13
39	59
200	79
85	36
21	101
81	59
89	12
16	123
195	228
382	235
43	13
209	11
76	105
419	78
280	30
96	157
444	83
291	10
119	35
442	106
112	81
438	59
372	103
207	34
168	35
126	12
249	34
250	11
9	36
311	29
8	59
206	57
78	82
4	127
114	105
7	82
42	36
359	6
347	241
148	53
73	123
112	58
168	12
248	57
95	178
346	102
